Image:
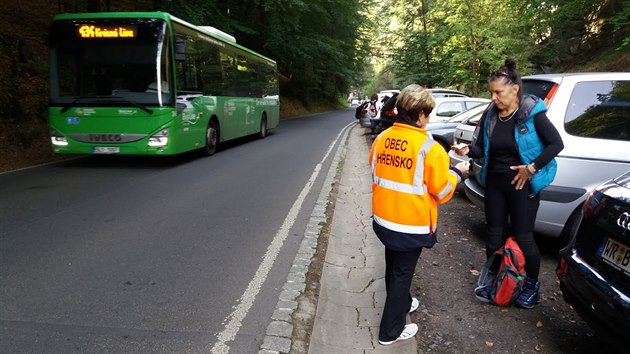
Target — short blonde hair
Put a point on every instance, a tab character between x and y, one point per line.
412	100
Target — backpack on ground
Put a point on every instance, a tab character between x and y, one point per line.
508	265
373	111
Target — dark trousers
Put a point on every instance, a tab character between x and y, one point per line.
503	200
399	269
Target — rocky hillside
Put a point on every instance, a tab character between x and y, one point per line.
24	63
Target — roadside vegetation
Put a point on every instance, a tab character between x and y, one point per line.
326	50
457	43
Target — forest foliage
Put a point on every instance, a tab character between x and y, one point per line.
326	49
456	43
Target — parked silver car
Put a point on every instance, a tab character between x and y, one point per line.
592	114
443	132
442	92
464	131
361	113
447	107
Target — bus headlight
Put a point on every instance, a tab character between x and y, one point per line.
159	139
57	139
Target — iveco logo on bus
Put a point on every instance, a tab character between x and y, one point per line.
105	138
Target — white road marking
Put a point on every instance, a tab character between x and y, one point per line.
246	301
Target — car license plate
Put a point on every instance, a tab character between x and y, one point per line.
616	254
105	149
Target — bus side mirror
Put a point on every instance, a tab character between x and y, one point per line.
180	49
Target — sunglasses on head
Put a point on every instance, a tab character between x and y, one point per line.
500	73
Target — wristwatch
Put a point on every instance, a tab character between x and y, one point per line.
533	166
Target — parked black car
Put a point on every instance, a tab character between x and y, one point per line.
594	269
361	110
388	112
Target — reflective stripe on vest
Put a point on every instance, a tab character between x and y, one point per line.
417	189
408	229
418	186
447	189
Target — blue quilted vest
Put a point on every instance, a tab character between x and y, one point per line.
528	142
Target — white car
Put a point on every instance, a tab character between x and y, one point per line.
447	107
386	93
590	111
442	92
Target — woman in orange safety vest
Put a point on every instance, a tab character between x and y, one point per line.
411	176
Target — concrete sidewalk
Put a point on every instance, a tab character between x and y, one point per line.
352	292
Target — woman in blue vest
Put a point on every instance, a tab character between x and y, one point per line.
518	144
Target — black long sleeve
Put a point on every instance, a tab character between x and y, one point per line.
550	138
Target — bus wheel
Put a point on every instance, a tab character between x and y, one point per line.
263	127
212	139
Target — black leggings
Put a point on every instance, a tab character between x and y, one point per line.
503	200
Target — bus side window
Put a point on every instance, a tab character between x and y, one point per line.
211	74
244	77
228	65
186	70
180	48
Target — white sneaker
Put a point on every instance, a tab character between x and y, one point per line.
414	305
409	331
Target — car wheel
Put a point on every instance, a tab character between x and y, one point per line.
212	138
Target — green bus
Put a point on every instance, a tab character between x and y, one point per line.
148	83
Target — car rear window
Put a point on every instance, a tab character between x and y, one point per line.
449	109
599	109
540	88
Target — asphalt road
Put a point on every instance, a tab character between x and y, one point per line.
138	254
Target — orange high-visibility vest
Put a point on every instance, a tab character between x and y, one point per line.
410	177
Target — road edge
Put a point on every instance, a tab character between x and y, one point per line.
293	318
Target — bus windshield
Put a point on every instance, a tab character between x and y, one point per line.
110	62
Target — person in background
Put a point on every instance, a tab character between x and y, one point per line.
518	144
374	110
410	177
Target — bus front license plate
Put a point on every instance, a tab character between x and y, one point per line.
105	150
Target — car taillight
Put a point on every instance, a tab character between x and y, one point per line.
392	113
592	204
550	95
562	268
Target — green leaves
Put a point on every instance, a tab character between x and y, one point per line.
456	43
315	43
326	48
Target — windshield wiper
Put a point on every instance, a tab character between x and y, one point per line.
117	98
77	99
135	104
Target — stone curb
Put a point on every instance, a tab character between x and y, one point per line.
278	335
